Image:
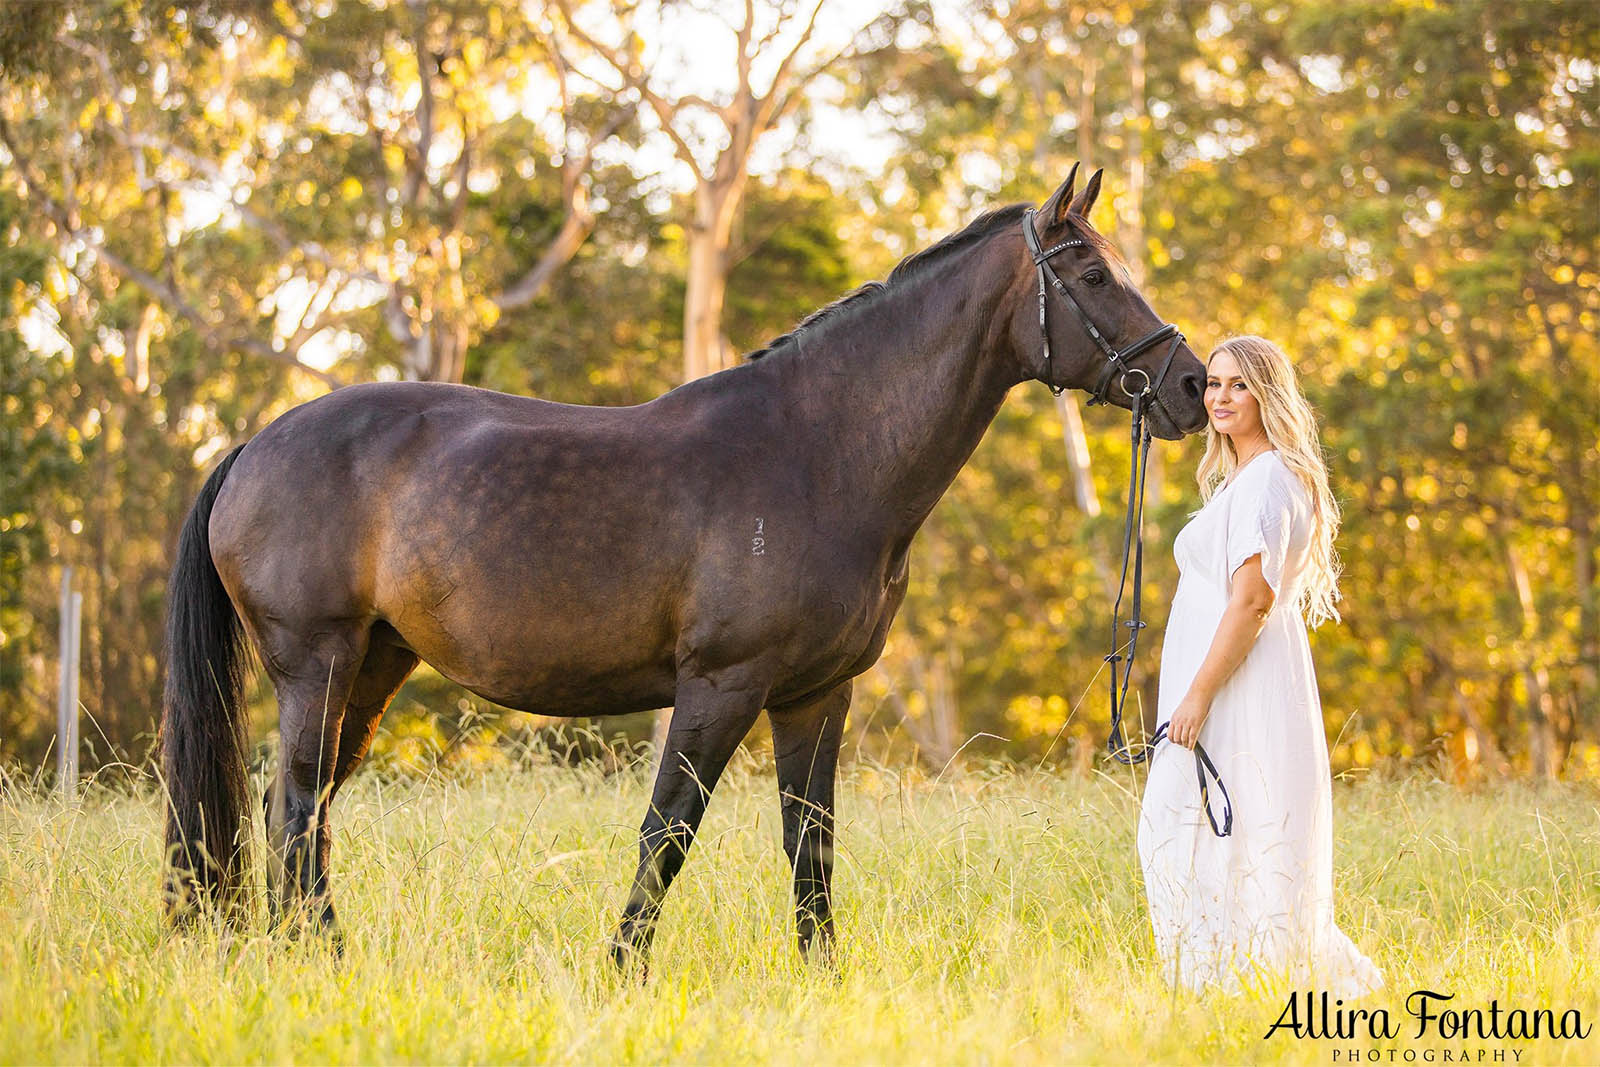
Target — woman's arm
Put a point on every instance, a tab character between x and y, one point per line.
1241	624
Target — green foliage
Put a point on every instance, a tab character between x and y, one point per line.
36	461
606	330
789	258
1406	196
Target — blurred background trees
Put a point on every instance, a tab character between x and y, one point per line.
210	212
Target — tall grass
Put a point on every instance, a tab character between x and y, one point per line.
990	916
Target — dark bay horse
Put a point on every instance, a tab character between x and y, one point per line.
737	544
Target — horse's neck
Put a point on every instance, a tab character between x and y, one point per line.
900	395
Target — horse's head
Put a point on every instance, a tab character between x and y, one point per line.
1099	333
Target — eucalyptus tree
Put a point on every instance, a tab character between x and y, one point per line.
660	52
352	156
240	206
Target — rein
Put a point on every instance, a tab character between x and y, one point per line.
1133	524
1122	666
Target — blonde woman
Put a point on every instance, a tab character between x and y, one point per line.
1257	564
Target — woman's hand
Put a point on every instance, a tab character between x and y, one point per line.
1190	715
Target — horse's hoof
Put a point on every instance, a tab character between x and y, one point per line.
629	960
335	940
819	955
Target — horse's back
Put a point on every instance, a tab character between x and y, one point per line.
386	454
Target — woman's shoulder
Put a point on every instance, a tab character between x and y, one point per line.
1264	470
1270	479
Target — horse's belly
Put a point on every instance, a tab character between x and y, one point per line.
537	644
565	695
552	677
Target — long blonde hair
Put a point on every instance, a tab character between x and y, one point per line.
1291	428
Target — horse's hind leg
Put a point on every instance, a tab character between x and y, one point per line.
383	672
805	742
708	722
313	683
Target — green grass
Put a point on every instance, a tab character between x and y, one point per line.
995	916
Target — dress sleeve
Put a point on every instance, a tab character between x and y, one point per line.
1261	523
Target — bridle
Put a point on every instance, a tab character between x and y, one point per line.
1133	526
1115	360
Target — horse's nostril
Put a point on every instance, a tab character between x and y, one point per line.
1191	386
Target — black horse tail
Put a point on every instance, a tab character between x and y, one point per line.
203	725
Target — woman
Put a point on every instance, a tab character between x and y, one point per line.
1257	563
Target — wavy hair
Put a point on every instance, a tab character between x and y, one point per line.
1291	428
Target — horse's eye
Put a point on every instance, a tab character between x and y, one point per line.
1094	276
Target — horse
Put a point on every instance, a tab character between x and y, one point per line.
737	544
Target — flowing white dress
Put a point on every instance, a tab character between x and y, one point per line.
1259	903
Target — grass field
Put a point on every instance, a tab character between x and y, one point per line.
993	916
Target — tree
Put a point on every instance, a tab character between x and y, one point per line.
234	204
356	145
1465	174
1403	196
716	138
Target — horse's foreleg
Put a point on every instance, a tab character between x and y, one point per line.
708	722
805	742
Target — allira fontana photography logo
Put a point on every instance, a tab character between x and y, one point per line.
1453	1033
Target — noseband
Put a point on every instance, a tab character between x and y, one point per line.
1133	527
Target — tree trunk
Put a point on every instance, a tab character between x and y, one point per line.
706	287
658	734
1073	436
705	350
1544	761
1130	223
1130	214
935	734
1587	676
1077	446
1543	757
1089	69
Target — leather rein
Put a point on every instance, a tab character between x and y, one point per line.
1133	524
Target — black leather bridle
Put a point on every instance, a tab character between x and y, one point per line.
1116	360
1133	526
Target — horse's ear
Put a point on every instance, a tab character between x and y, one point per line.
1054	211
1091	192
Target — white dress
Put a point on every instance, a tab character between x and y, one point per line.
1259	903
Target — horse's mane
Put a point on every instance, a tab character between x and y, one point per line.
985	225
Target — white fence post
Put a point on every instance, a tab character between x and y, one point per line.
67	693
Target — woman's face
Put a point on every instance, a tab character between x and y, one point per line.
1230	406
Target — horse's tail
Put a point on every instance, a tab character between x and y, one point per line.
203	725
